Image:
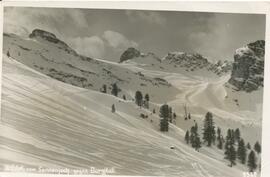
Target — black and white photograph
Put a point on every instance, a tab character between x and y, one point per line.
132	92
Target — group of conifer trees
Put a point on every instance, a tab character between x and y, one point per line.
192	137
235	149
114	89
234	146
141	100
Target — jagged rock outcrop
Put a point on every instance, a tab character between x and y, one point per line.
130	53
44	34
221	67
48	36
248	67
196	61
186	59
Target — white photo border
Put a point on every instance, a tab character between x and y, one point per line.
250	7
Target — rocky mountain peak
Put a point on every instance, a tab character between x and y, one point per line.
189	61
195	61
43	34
179	57
258	48
130	53
50	37
248	67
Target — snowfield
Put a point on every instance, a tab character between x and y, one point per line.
52	124
54	115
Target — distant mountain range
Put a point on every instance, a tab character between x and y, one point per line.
53	57
186	61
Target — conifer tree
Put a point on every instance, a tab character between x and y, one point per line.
220	144
194	137
219	139
115	89
192	134
164	125
146	97
164	111
113	108
229	137
257	147
198	143
104	88
189	116
174	115
237	135
146	101
242	151
248	146
124	97
174	118
187	137
252	161
138	98
170	114
209	129
164	117
230	153
218	133
232	136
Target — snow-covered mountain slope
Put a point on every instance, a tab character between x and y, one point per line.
202	92
231	109
56	59
70	124
49	123
203	88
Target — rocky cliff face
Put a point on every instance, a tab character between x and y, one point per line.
130	53
248	67
185	59
43	34
50	37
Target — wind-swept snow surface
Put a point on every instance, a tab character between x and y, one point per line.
49	123
62	63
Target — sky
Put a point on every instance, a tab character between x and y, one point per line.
108	33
